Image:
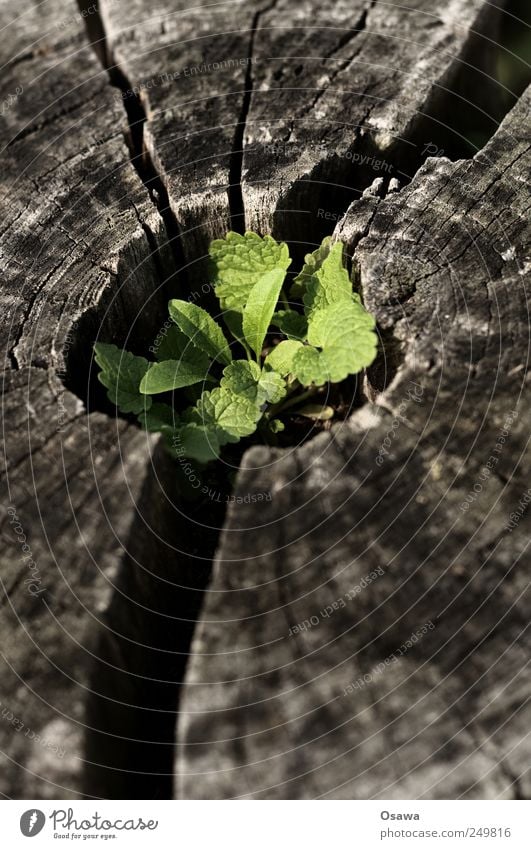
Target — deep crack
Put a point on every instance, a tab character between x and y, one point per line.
235	194
136	119
159	592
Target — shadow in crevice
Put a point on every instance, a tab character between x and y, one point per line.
144	641
136	122
484	84
462	113
128	310
388	360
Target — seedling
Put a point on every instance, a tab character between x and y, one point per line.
266	363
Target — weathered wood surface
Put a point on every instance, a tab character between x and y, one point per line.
302	103
284	95
415	491
71	239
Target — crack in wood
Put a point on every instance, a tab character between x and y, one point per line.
235	195
140	157
131	580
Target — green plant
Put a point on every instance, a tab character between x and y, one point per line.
287	350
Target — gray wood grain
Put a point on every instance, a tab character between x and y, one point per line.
269	115
398	525
285	97
72	247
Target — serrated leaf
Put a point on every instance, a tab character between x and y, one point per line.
291	323
233	415
244	378
312	262
201	329
310	367
241	377
121	373
281	358
237	262
329	284
345	333
342	325
175	374
271	387
158	417
260	307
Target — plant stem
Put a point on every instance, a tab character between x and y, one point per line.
291	402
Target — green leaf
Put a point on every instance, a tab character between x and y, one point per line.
334	338
241	377
173	345
233	321
238	262
197	442
329	284
175	374
310	367
121	373
244	378
346	325
281	358
158	416
201	329
232	415
345	333
291	323
260	307
312	262
271	387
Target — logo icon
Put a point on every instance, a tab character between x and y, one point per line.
32	822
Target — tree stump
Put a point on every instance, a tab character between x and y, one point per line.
363	634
